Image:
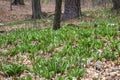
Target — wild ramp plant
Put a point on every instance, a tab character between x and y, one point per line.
13	69
55	66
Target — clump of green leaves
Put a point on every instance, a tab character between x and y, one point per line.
13	69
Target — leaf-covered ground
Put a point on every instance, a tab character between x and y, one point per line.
20	12
84	49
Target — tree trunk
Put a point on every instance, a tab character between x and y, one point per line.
16	2
116	4
36	9
57	18
72	9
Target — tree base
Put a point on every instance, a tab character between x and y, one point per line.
18	2
68	17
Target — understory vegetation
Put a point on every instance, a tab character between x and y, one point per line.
62	54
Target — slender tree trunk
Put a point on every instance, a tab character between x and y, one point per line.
11	5
36	9
72	9
116	4
57	18
16	2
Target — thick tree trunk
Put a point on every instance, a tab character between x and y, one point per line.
57	18
36	9
72	9
16	2
116	4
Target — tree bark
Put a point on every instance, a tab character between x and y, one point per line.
116	4
57	18
36	9
72	9
20	2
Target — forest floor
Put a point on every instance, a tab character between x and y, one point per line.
20	16
20	12
84	49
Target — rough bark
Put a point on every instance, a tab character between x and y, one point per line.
72	9
36	9
57	18
16	2
116	4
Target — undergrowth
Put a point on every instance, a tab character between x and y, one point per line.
61	54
